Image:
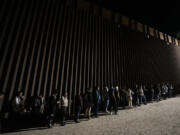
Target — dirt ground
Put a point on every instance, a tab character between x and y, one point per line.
162	118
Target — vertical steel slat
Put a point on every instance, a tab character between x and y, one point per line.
111	53
77	59
14	49
33	50
73	55
45	50
4	30
95	52
92	53
56	50
108	54
20	51
27	50
81	51
99	52
85	52
51	46
60	49
68	57
116	56
89	49
6	50
69	25
39	49
105	53
119	55
102	53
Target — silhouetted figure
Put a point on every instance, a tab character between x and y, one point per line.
105	98
96	100
112	100
152	91
136	95
78	106
52	106
88	101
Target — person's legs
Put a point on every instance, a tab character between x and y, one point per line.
77	114
137	101
89	112
63	116
107	104
115	106
130	103
141	98
110	105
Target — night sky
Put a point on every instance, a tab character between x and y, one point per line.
165	16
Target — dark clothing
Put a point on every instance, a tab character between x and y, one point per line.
36	105
78	106
136	96
112	100
63	115
88	99
52	105
97	99
51	110
117	98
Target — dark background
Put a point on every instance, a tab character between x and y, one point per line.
160	15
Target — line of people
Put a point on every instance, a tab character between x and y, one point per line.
108	99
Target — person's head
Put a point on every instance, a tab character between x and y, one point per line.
78	92
88	89
65	94
55	92
19	94
117	88
41	95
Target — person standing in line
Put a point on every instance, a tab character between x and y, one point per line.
136	95
88	101
129	97
52	106
78	106
105	98
171	88
117	98
112	100
97	100
123	97
158	92
143	97
152	93
64	106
